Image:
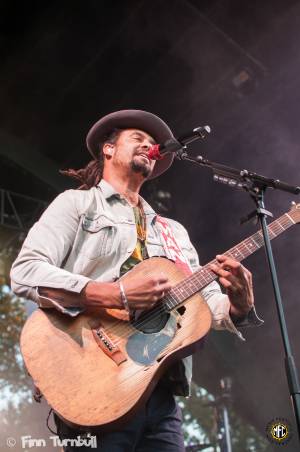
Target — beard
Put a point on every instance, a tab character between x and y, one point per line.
142	168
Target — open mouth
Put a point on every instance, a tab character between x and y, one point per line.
145	156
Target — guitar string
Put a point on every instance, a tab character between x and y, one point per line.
140	378
166	350
155	313
169	297
151	339
140	372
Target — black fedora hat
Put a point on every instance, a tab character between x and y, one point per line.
131	119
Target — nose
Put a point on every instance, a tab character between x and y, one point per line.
145	146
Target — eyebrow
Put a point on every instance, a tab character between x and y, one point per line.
152	141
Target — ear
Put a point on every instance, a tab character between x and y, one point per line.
108	150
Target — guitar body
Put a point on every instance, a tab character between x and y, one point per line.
98	368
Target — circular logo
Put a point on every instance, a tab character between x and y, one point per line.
11	442
279	431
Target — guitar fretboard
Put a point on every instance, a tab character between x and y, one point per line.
204	276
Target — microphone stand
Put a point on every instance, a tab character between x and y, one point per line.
256	186
221	405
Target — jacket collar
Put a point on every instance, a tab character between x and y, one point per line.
109	191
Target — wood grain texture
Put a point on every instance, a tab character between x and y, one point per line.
84	385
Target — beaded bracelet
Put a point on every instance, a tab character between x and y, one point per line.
123	296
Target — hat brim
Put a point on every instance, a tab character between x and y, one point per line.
132	119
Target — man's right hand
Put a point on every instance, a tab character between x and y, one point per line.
142	291
146	290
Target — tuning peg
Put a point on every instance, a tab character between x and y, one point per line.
293	204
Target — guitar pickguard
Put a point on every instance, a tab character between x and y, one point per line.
144	348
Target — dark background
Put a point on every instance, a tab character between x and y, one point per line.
228	63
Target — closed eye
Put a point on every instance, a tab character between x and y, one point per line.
140	138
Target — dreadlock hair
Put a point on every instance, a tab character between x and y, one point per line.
91	174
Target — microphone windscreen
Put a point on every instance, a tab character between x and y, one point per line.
154	152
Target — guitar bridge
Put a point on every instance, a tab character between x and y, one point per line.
107	346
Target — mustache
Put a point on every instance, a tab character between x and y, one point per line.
144	152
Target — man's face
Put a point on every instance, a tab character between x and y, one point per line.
131	151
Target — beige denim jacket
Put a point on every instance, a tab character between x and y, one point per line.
87	235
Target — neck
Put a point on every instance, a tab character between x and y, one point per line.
127	185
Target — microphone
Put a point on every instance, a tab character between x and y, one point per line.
157	151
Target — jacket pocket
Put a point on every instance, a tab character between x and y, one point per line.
98	236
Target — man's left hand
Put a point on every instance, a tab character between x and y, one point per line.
237	281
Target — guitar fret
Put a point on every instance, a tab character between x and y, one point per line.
236	254
281	226
243	250
229	254
170	300
271	232
276	232
253	244
260	238
193	284
290	218
248	247
204	276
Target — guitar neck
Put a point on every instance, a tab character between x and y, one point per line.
204	276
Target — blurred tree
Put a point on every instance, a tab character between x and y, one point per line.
12	319
16	406
200	425
20	417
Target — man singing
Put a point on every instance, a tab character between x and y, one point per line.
86	239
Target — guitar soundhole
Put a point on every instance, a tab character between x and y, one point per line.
181	310
151	321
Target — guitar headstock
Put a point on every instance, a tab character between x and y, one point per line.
294	212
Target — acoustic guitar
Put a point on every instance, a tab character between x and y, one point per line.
98	368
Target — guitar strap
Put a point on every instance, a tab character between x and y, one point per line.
171	247
177	376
